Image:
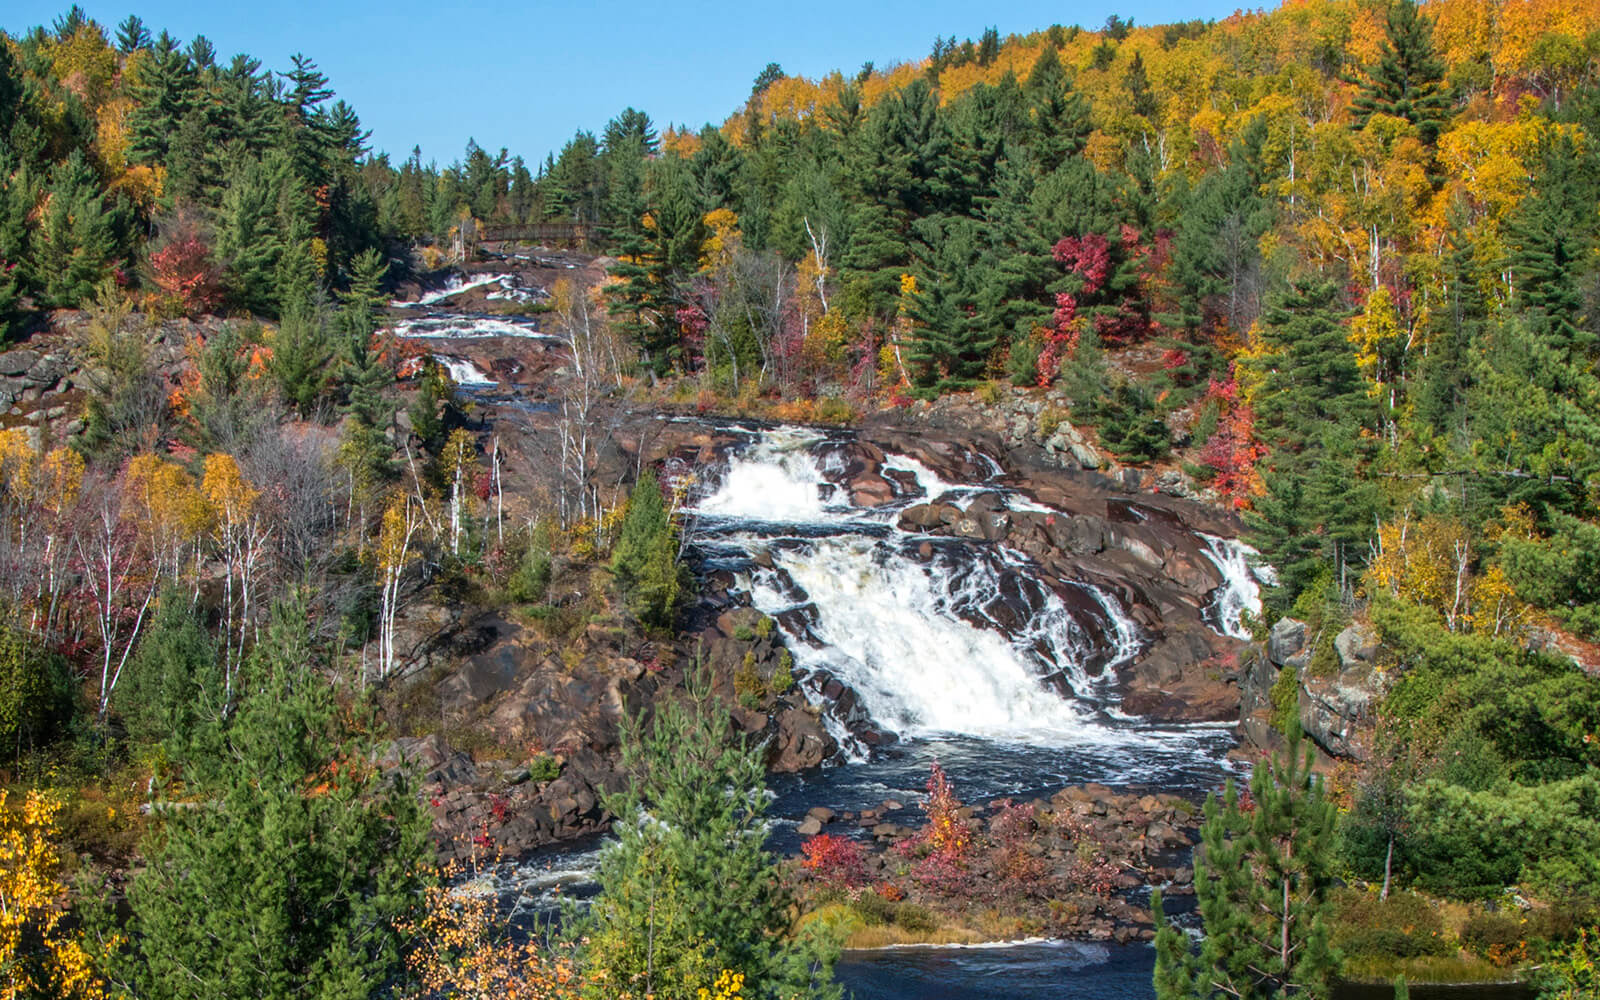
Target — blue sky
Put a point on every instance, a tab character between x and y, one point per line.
527	75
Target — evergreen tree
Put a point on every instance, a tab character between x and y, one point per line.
163	95
1136	82
362	371
688	888
1408	80
645	558
1216	255
1262	874
79	237
36	690
1060	115
1554	238
132	35
1310	370
898	170
248	241
288	876
174	683
953	306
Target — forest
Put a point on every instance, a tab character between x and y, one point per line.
1336	265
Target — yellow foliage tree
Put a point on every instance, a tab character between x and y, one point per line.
460	949
1429	562
38	957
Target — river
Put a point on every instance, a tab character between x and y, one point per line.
927	632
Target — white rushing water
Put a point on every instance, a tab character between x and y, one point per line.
960	638
510	288
464	373
1241	583
888	631
774	481
459	327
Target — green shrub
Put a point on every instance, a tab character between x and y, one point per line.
748	686
874	910
645	559
531	580
543	768
765	626
988	392
1403	926
744	633
1474	844
1285	698
915	918
1022	361
782	680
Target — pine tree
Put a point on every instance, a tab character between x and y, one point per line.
688	889
645	559
288	874
164	94
78	241
1408	80
953	306
898	169
1262	874
249	243
1310	370
174	683
132	35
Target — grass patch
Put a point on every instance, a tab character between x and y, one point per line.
1429	969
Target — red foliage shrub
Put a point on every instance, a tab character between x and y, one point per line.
184	272
836	862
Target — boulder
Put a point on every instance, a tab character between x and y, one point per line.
1334	711
1357	645
18	362
1287	641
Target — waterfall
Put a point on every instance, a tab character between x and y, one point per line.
935	635
774	481
1241	584
454	326
456	285
464	373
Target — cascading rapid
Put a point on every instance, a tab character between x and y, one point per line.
922	635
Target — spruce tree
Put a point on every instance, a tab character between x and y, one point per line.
1408	80
1553	234
688	889
285	871
363	374
1262	874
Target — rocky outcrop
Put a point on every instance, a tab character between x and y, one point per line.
1335	712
